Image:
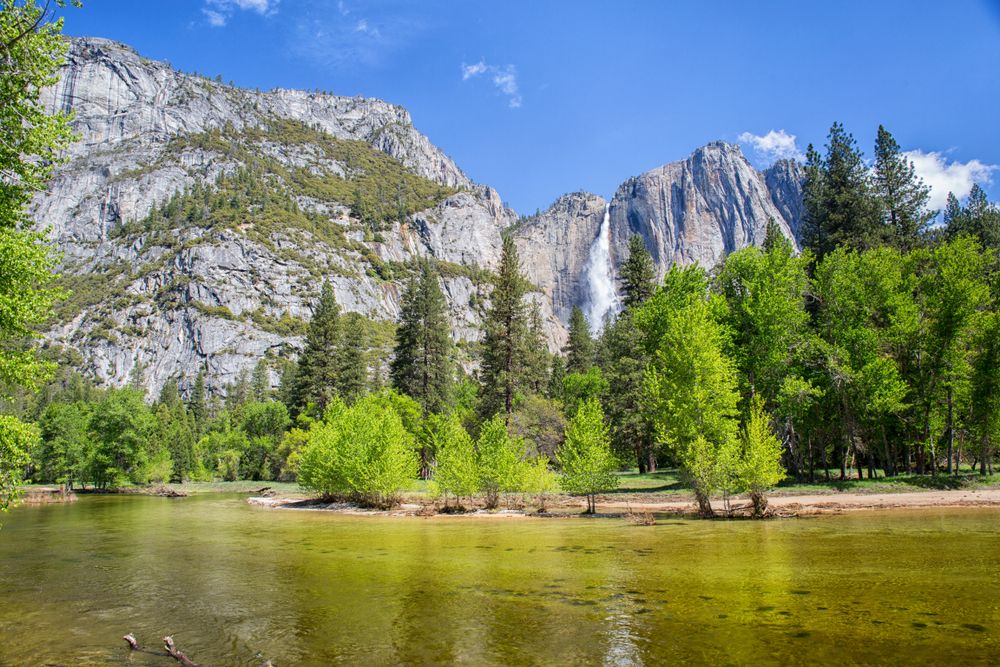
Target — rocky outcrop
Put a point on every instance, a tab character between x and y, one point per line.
554	245
162	293
699	209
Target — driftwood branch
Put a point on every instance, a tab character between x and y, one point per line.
168	644
171	651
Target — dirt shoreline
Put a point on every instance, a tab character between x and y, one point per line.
568	506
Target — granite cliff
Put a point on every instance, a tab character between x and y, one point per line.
197	220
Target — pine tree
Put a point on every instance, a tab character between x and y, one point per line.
535	354
837	196
580	346
422	367
198	404
901	194
979	218
260	381
317	373
505	328
352	365
638	274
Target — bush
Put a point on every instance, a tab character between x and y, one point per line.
363	453
499	461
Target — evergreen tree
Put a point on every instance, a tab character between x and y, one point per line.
505	328
535	353
316	377
638	275
422	367
580	346
557	371
978	218
352	371
837	196
260	381
198	403
632	432
901	194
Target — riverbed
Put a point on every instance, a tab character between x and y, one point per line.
237	585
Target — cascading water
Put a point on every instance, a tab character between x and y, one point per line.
602	297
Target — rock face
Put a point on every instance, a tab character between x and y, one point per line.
554	245
170	279
702	208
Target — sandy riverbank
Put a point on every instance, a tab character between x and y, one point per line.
781	505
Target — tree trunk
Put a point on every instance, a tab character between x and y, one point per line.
704	503
951	432
651	460
759	504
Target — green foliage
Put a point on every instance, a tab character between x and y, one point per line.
901	195
638	275
978	218
456	472
540	481
318	366
691	386
540	421
33	139
362	452
840	209
580	346
759	465
61	452
120	429
499	460
422	366
505	331
16	440
586	458
578	388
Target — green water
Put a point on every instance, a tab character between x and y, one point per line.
237	584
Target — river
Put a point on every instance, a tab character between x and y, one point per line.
237	584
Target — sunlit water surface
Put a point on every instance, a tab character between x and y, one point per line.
236	585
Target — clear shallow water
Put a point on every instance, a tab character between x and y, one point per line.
237	584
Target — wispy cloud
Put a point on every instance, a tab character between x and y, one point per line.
943	176
349	33
218	12
504	79
775	145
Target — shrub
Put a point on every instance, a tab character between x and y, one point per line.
456	471
363	453
499	461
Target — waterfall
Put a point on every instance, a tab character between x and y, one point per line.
602	296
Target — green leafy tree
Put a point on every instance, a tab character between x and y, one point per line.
759	464
901	195
540	481
499	461
456	472
422	366
578	388
16	440
985	389
540	421
588	464
362	452
264	424
63	448
120	429
580	346
691	386
33	140
505	328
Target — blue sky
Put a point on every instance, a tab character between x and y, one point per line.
538	98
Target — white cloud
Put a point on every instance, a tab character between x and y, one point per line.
775	145
944	177
503	78
218	12
363	27
469	71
